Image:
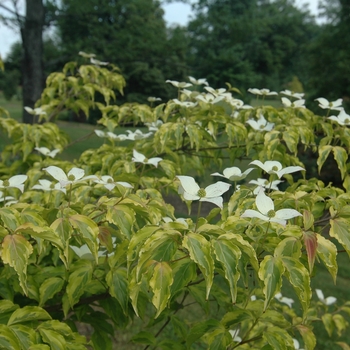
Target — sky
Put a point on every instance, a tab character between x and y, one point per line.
175	13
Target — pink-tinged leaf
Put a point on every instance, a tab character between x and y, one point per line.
15	252
308	336
310	240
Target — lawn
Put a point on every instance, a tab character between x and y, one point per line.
83	137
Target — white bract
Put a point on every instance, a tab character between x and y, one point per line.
73	176
14	182
297	95
100	133
275	167
179	85
182	221
235	336
264	184
153	99
7	198
262	92
184	103
85	253
295	104
325	104
342	118
261	124
97	62
266	211
47	185
234	173
136	135
46	152
326	301
140	158
209	98
198	81
35	111
192	192
296	344
109	183
284	300
154	126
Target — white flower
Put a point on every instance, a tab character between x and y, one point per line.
284	300
296	344
326	301
342	118
100	133
263	92
121	137
153	99
137	135
182	221
264	184
325	104
295	104
235	337
73	176
85	253
46	152
86	55
261	124
267	211
109	183
35	111
198	81
140	158
297	95
97	62
179	85
234	173
14	182
47	185
154	126
274	167
212	193
184	103
209	98
7	198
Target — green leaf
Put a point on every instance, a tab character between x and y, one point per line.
49	288
25	335
199	329
123	217
161	281
144	337
77	281
308	336
15	252
340	229
327	252
28	313
89	231
10	218
8	339
270	272
45	233
323	153
184	272
235	317
101	340
200	252
54	339
299	278
278	338
341	156
118	287
289	246
328	323
228	254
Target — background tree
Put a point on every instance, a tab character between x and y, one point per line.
131	34
249	43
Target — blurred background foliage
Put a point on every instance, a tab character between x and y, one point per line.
248	43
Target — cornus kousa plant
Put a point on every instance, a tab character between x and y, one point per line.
137	236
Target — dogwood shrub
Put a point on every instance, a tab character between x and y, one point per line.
95	241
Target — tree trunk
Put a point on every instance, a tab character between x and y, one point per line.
33	68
